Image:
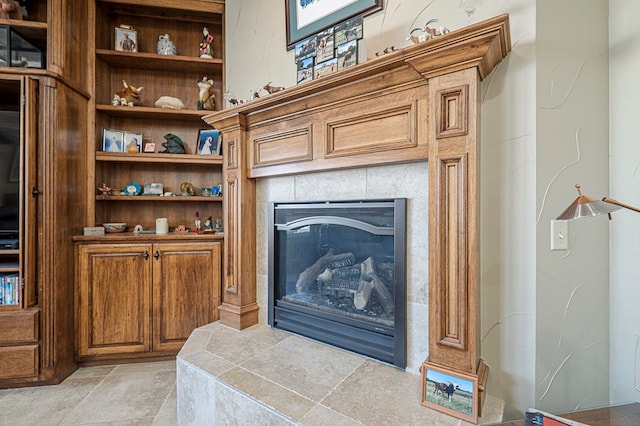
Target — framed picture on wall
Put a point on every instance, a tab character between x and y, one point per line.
451	392
307	17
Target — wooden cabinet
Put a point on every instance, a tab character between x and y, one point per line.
143	299
46	175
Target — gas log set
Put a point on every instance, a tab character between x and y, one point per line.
339	276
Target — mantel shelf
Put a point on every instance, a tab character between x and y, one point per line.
152	112
157	198
120	157
153	61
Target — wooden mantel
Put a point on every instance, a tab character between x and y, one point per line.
418	103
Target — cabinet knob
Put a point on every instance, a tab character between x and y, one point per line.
34	192
156	255
146	255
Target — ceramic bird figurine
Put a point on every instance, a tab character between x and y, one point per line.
206	95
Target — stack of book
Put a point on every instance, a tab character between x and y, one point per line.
10	289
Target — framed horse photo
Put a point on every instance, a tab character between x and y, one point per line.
451	392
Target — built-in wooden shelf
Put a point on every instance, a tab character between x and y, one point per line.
152	112
156	198
192	159
153	61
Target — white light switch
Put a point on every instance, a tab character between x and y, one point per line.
559	235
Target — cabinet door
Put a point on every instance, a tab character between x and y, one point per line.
186	291
114	299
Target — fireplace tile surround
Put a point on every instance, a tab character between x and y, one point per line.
264	376
392	181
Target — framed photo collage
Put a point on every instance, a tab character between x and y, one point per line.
329	50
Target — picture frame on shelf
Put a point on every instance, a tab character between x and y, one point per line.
126	39
149	145
305	49
325	45
325	68
347	54
306	17
305	70
112	140
349	30
132	142
209	142
452	392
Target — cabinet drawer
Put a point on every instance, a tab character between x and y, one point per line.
18	361
19	327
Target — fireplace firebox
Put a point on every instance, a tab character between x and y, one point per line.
337	274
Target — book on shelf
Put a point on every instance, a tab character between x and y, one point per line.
10	289
535	417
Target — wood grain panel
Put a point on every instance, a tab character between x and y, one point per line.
230	242
18	361
231	154
282	147
114	299
19	326
452	115
452	294
385	130
186	287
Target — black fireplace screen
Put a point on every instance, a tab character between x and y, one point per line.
337	274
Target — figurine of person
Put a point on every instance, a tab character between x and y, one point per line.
206	50
198	223
207	224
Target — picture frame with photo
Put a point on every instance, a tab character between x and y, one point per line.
325	68
112	140
347	54
126	39
452	392
305	70
349	30
209	141
307	17
132	140
325	45
305	49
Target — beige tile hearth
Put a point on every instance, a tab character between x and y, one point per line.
270	377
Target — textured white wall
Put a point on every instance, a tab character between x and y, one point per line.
572	287
625	228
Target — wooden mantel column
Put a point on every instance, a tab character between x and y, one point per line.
419	103
238	308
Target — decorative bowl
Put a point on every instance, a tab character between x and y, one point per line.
114	227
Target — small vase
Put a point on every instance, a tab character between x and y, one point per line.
165	45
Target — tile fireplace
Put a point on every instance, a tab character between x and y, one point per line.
337	274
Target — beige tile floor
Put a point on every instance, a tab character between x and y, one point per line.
132	394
